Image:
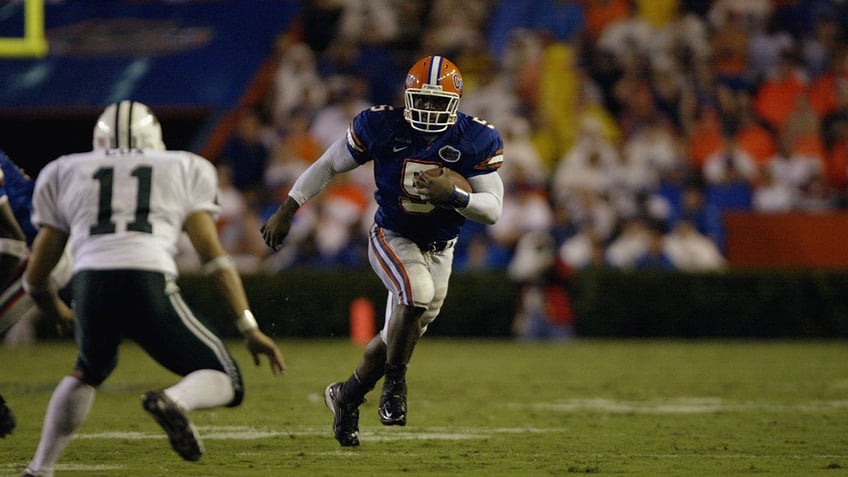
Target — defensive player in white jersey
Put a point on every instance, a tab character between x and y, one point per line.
124	206
416	225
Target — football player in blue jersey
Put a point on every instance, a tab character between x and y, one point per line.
16	235
13	186
15	205
16	230
416	225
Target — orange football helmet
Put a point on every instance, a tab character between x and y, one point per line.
431	94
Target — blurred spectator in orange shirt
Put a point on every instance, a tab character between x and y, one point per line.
601	13
718	121
776	98
299	139
283	169
754	138
706	137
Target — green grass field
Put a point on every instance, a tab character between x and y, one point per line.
484	408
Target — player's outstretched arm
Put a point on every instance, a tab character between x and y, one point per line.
335	160
201	230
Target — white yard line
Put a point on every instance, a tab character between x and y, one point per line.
60	468
684	405
250	433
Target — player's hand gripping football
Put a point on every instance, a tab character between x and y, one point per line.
258	343
275	230
434	186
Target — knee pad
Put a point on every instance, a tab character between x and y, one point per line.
433	309
421	283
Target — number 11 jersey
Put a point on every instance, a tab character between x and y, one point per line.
124	209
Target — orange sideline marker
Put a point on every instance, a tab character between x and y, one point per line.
361	321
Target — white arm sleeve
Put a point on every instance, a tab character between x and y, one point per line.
486	201
335	160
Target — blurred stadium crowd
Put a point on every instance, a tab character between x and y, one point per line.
629	126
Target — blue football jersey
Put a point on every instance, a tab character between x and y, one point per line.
18	187
380	134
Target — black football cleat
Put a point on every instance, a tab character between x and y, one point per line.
345	416
181	432
392	410
7	419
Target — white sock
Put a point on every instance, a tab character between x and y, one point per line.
203	389
68	408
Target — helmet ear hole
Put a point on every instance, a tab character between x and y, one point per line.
127	125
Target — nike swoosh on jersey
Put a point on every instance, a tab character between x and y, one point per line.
398	149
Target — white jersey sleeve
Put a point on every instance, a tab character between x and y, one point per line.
124	209
202	187
335	160
45	199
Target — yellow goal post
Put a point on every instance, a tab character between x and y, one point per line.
33	43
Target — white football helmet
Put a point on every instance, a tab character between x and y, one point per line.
127	125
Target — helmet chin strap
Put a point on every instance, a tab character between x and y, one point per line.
430	136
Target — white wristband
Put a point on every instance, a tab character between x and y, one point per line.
218	263
15	248
34	290
247	322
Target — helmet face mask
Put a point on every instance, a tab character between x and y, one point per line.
432	92
127	125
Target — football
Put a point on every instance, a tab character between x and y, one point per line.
457	179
